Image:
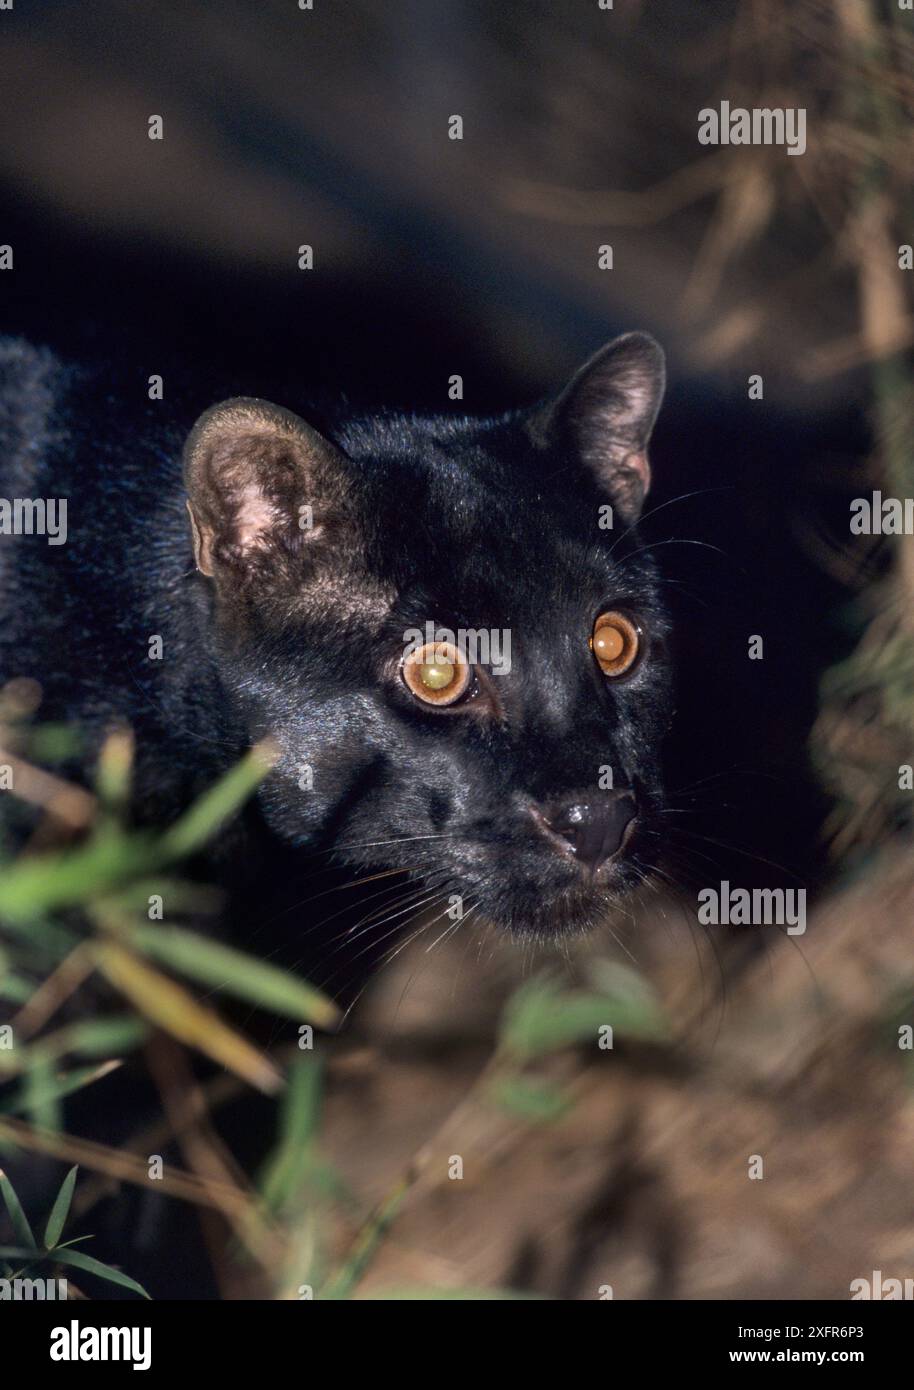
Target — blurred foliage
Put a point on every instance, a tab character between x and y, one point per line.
72	912
95	978
543	1016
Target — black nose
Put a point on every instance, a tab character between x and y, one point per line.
594	828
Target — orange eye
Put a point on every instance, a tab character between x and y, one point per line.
436	674
615	643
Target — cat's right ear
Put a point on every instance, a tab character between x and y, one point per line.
606	414
263	487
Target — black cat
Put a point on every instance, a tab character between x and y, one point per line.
445	624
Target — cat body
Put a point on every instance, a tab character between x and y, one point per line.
252	578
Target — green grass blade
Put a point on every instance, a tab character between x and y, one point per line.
60	1210
21	1228
104	1037
209	812
77	1260
542	1017
537	1103
343	1283
42	883
168	1005
292	1162
41	1100
222	967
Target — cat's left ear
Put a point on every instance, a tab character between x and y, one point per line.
607	412
264	492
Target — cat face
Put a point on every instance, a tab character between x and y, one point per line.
447	627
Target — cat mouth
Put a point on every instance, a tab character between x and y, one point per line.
573	911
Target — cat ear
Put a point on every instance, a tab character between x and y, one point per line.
607	412
261	487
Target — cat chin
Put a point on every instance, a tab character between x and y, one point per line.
576	912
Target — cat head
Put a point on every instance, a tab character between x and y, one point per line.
449	628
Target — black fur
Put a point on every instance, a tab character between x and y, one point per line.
467	523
